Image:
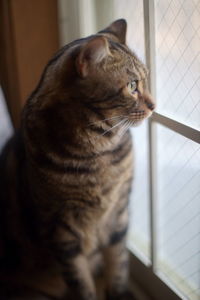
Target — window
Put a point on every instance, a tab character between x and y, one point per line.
165	205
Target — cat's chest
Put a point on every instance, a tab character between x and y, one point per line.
114	170
113	185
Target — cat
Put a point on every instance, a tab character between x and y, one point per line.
66	174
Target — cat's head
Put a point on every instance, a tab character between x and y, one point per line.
101	77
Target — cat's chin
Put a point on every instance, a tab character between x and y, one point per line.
137	123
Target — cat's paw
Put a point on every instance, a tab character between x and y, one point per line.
127	295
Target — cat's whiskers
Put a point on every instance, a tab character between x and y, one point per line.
127	125
107	119
123	129
106	131
116	125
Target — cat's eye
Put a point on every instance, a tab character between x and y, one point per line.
132	86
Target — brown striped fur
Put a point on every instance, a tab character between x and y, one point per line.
66	174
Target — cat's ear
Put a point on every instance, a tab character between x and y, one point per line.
118	29
91	54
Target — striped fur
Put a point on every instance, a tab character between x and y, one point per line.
65	177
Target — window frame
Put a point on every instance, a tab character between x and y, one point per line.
153	285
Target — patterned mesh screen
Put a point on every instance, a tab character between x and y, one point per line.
178	59
178	214
177	35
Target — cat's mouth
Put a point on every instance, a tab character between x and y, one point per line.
137	116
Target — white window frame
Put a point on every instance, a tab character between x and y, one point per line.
146	276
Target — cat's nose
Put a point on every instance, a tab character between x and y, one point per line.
150	106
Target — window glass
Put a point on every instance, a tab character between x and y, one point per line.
178	211
177	30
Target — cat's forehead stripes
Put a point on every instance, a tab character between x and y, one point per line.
136	70
118	47
132	75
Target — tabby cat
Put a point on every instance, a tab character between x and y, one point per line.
65	176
